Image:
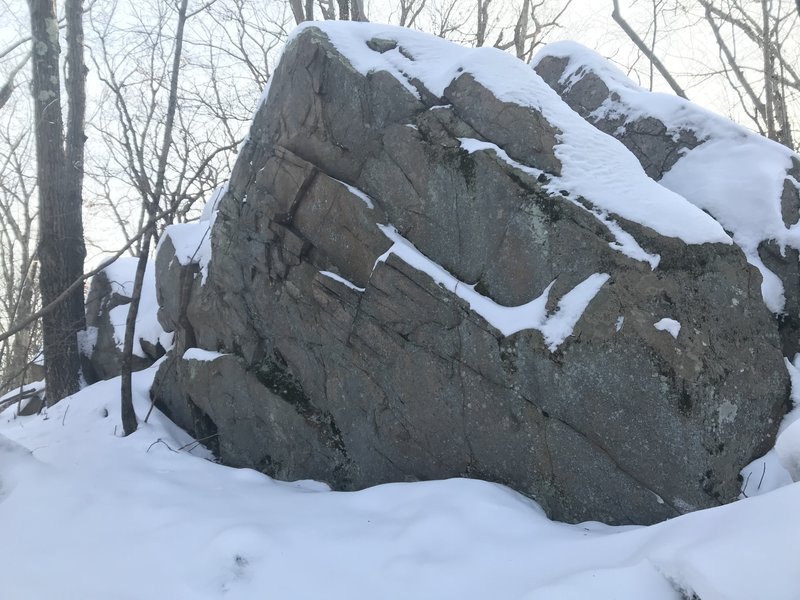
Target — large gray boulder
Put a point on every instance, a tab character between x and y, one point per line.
404	284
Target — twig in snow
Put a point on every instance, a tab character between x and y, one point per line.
744	486
763	472
195	443
160	441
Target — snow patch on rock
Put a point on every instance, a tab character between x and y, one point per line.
671	326
192	242
342	280
555	327
201	355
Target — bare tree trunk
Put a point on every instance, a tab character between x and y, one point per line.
483	22
309	10
653	43
357	10
617	16
74	155
344	10
129	423
76	99
297	11
21	345
521	29
61	249
769	77
409	11
327	9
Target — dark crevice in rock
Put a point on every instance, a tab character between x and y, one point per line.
203	427
273	373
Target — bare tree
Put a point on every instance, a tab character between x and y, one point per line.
768	90
349	10
757	44
59	174
152	199
647	51
170	124
410	10
534	22
357	12
8	87
18	263
299	11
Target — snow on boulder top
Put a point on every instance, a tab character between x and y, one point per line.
192	243
594	165
732	173
632	100
212	203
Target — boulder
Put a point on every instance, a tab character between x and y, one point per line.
426	265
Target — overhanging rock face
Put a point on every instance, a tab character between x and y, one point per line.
412	279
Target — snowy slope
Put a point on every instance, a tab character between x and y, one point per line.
735	175
92	516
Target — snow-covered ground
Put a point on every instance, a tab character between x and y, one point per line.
86	514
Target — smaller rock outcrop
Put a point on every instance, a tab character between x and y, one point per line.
106	313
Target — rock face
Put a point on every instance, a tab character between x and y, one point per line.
343	328
662	131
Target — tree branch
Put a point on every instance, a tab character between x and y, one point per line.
17	327
617	16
